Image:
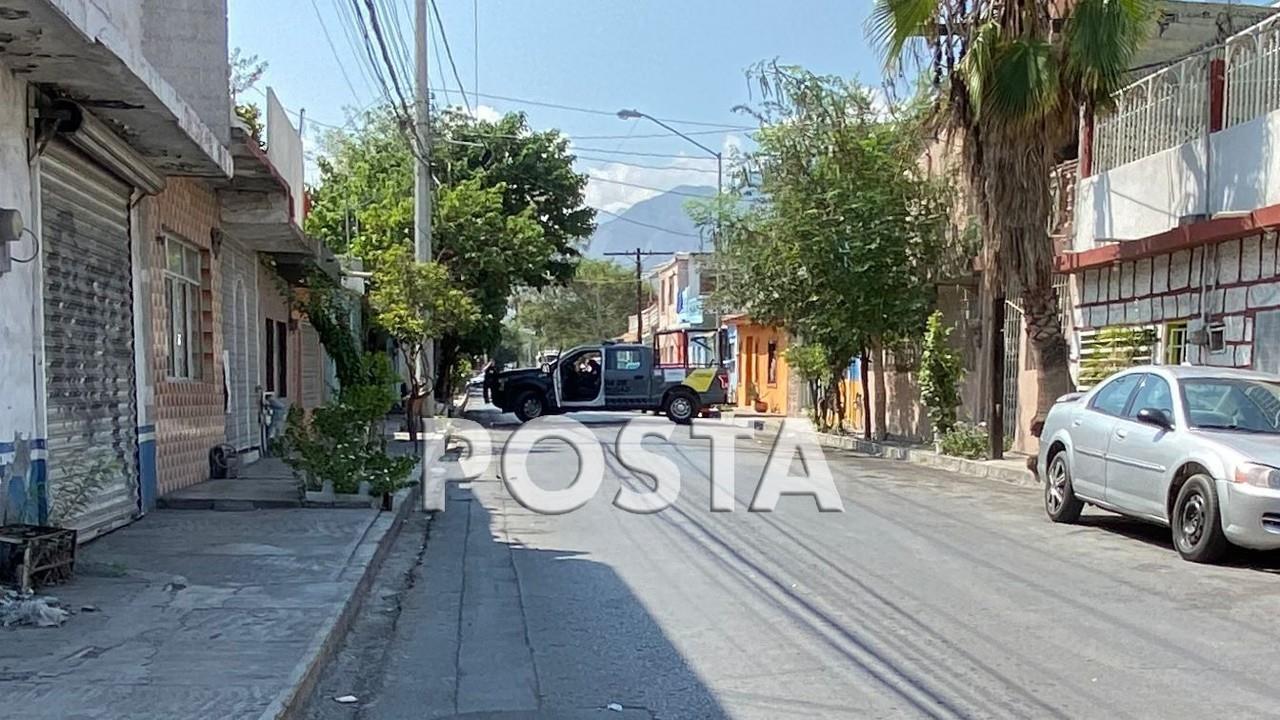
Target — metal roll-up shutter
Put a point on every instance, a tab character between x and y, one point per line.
312	368
240	333
88	343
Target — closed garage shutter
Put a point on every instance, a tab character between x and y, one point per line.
88	344
240	341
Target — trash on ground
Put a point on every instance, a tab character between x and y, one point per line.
347	699
28	609
614	707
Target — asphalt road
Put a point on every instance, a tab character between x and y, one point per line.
931	595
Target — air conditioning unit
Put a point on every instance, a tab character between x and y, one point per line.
1217	340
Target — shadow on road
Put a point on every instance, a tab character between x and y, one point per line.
508	628
1158	536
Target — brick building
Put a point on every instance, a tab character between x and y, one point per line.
142	215
186	337
1177	210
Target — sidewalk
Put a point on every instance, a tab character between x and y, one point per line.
1013	469
197	614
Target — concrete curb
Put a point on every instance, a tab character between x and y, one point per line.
917	456
292	700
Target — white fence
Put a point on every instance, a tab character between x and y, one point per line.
1160	111
1253	72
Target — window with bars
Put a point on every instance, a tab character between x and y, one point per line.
183	282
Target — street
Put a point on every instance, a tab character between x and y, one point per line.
931	596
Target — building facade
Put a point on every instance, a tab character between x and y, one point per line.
140	218
1177	211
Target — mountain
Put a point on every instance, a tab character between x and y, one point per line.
638	226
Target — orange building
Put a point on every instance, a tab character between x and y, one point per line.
762	375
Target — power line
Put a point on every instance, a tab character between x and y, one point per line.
387	58
435	46
645	187
646	136
348	25
475	47
610	113
632	153
394	30
625	219
401	111
435	10
333	49
675	168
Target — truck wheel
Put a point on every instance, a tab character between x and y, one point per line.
682	407
530	405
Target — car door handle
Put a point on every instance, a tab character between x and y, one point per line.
1122	434
1075	423
637	377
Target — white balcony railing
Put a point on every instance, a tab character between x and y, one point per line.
1160	111
1253	72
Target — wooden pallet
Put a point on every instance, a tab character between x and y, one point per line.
32	557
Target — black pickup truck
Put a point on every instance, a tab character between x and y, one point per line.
610	376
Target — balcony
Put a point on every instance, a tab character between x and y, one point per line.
1194	141
263	205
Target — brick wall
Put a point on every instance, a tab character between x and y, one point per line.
189	413
1237	279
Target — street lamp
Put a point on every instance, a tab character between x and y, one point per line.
626	114
632	114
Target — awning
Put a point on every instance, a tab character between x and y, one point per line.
68	46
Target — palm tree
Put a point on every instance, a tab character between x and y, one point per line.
1011	76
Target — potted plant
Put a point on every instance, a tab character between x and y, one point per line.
759	404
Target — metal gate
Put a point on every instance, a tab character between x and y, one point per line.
88	343
1012	357
240	343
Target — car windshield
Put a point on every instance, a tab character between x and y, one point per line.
1243	405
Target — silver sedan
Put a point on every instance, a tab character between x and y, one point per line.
1193	448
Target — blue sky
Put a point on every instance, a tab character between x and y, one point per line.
670	58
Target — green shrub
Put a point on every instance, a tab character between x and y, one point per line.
969	441
940	372
343	442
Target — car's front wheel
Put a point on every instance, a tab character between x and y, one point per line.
1060	501
530	405
1197	523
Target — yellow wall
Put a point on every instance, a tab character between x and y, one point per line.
853	402
753	363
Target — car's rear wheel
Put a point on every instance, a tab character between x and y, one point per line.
1060	501
682	407
1196	522
530	405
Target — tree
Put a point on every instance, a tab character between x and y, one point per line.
1009	78
836	233
510	211
246	71
941	370
415	302
593	306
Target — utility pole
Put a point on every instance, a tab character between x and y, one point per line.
638	254
422	178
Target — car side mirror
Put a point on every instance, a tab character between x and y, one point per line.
546	368
1154	416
